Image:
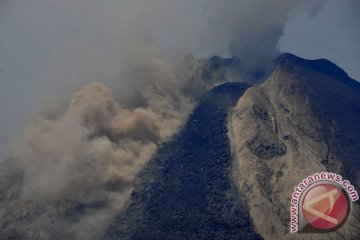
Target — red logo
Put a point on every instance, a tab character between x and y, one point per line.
325	206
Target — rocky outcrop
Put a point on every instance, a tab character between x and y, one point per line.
294	124
229	173
205	74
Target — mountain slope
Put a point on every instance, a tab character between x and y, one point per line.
229	173
303	119
186	191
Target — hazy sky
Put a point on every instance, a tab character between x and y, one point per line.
49	48
330	32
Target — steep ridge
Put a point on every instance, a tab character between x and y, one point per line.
65	216
303	119
186	191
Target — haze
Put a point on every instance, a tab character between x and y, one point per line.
49	49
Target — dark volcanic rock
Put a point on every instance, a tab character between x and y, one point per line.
265	149
261	113
186	191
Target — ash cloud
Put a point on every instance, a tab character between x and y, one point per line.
253	28
53	48
89	152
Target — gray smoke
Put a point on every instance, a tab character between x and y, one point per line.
252	27
92	152
91	149
55	47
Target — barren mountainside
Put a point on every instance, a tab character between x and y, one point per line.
303	119
230	171
186	191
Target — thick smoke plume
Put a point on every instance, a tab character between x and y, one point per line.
91	152
56	47
251	29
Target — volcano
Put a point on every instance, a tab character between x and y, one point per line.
230	171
